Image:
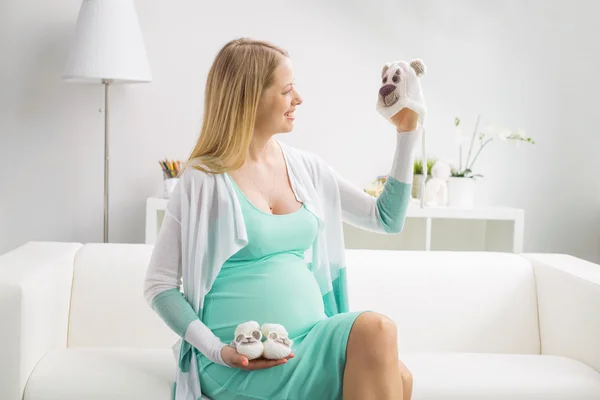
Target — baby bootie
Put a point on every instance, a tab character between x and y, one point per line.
247	340
277	344
401	88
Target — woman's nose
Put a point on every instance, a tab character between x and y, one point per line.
297	98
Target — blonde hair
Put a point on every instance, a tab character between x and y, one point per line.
240	73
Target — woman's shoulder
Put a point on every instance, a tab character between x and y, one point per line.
191	174
305	158
310	167
195	176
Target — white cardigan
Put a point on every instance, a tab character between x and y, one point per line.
204	226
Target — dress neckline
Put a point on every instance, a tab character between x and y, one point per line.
243	195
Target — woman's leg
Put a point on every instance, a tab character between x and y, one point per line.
407	381
373	370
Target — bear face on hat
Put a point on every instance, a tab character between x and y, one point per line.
401	88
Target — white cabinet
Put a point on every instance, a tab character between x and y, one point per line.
155	212
429	228
445	228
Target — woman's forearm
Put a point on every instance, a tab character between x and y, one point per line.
179	315
392	203
387	212
403	165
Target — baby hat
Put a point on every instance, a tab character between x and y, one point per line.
401	88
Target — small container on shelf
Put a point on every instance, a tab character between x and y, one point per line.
169	185
170	171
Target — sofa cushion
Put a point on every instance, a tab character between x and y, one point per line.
449	301
500	376
107	303
100	374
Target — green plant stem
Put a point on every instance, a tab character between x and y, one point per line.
479	151
472	141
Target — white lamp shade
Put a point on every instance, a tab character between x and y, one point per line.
107	44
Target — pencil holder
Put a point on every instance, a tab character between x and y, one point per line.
169	185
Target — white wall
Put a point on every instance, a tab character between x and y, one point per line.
520	64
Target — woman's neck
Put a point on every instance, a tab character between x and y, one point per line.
261	149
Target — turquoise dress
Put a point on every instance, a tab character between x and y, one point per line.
268	281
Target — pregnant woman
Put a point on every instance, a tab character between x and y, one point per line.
253	231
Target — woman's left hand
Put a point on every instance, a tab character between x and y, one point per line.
405	120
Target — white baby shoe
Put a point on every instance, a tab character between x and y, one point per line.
277	345
247	340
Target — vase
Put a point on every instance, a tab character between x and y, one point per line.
417	185
169	186
461	192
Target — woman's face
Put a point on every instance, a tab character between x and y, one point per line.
277	104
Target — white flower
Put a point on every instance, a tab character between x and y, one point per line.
517	137
519	134
498	132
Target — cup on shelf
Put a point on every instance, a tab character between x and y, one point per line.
169	185
171	171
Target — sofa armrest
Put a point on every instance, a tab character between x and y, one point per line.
568	290
35	291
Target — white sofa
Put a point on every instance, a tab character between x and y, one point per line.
472	325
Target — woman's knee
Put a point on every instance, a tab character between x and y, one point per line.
374	335
373	325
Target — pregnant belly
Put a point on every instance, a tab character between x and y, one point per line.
280	289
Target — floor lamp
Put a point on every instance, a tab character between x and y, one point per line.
107	48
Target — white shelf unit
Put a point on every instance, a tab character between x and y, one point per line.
429	228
